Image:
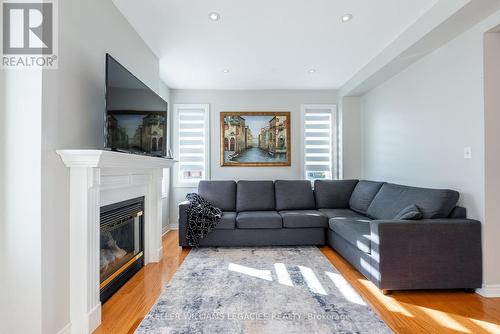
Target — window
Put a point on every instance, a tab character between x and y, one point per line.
320	142
191	143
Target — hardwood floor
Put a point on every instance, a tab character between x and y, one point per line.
404	312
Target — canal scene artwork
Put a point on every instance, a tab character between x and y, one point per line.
255	139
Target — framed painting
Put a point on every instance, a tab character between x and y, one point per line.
255	139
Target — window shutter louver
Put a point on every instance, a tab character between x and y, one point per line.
191	122
319	142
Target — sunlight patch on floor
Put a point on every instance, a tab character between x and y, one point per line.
345	288
444	320
487	326
264	274
282	273
390	303
312	281
283	276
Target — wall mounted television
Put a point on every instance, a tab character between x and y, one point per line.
136	117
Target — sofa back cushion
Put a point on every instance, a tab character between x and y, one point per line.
294	195
411	212
255	196
333	194
458	213
221	194
432	203
363	195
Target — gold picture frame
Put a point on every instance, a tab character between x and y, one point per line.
255	139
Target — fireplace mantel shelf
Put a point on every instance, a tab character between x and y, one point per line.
111	159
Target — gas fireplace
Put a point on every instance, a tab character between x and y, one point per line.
121	244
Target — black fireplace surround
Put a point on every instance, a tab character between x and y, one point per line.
121	244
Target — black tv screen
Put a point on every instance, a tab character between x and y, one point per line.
136	117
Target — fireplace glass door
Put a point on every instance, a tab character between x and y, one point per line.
121	243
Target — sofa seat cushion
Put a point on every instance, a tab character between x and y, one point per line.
341	213
259	219
333	194
227	222
294	195
363	195
221	194
432	203
354	231
255	196
303	219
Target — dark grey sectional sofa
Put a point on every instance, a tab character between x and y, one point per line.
442	250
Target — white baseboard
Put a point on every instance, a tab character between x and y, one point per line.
66	329
490	291
86	324
94	318
164	230
160	253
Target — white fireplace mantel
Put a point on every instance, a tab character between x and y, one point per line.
112	159
99	178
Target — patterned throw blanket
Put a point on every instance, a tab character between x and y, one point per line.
202	217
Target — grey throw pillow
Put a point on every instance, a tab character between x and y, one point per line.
409	213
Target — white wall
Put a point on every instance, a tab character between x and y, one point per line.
351	137
416	125
249	100
73	117
20	218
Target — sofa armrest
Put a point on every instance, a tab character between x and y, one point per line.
430	253
183	222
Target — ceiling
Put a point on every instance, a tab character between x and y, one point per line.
267	44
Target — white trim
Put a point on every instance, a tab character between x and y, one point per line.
112	159
340	143
175	142
160	252
66	329
336	175
94	318
303	108
335	152
490	291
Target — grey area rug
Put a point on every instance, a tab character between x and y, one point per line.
261	290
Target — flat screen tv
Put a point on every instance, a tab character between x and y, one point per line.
136	117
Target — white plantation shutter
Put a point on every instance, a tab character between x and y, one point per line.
320	138
191	143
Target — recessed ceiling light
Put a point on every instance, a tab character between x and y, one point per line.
346	18
312	70
214	16
225	70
